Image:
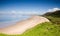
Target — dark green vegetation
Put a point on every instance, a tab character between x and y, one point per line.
44	29
54	14
54	17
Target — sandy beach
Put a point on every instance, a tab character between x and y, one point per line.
21	26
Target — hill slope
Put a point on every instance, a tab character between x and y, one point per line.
53	16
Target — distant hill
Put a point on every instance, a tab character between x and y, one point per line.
53	16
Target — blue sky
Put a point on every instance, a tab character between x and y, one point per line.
28	5
25	6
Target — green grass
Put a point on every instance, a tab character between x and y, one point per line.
44	29
55	20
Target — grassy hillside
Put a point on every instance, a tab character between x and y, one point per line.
54	17
44	29
53	14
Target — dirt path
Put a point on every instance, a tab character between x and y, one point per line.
22	26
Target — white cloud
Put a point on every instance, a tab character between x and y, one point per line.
52	10
13	12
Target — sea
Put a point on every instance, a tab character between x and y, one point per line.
7	20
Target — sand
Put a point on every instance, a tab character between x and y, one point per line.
21	26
